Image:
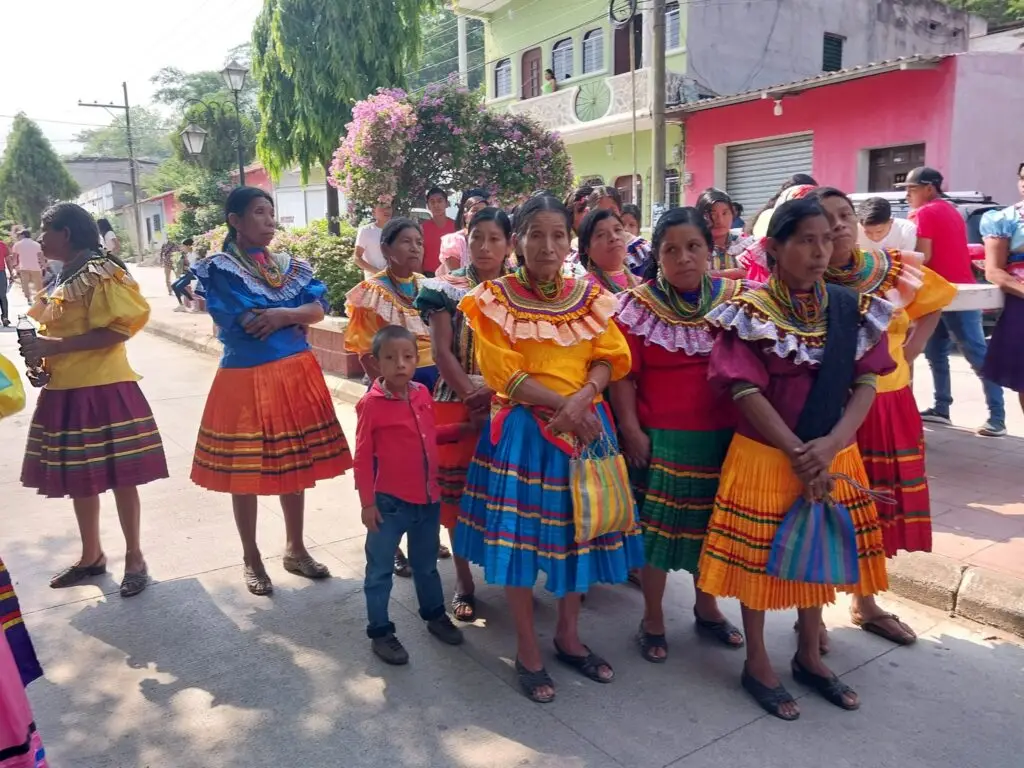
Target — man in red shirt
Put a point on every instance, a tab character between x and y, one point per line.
942	238
434	228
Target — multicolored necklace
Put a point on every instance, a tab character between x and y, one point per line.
549	291
258	263
606	280
686	309
808	308
398	282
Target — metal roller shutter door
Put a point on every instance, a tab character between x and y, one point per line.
754	171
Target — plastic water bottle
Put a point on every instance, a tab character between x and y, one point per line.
27	330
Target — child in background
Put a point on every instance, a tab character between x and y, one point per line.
399	494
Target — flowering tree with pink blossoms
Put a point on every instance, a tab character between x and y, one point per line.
398	145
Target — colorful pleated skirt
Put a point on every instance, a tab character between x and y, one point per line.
891	442
269	430
453	461
516	517
1004	363
20	745
757	488
85	441
676	494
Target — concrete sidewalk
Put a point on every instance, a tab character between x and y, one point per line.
976	568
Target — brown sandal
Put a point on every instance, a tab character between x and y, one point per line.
77	573
306	566
257	582
876	628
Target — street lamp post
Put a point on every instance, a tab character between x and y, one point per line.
234	77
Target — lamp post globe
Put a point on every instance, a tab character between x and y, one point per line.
234	75
194	139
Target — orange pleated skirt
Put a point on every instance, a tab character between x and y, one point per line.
757	488
269	430
453	461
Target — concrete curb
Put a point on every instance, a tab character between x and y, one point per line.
975	593
345	390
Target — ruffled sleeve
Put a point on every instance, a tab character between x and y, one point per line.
314	292
875	361
363	324
935	293
612	348
501	366
433	297
117	304
735	365
1000	225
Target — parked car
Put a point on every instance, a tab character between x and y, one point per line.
972	206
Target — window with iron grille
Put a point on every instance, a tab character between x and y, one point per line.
561	59
832	53
503	78
593	51
672	188
672	40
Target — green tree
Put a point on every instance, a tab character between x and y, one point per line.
308	78
439	53
220	151
996	11
151	135
32	177
202	198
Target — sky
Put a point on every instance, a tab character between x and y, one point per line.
57	52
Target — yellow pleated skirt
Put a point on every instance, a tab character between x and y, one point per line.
757	488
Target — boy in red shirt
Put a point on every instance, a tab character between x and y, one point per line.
434	228
396	476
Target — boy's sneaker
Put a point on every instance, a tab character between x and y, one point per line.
390	649
443	629
935	417
992	429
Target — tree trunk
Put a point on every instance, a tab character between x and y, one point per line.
333	208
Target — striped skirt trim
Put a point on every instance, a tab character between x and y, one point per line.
757	488
891	442
453	461
269	430
15	631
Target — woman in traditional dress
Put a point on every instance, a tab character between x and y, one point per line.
717	209
602	251
388	298
801	400
461	395
638	250
675	444
891	439
92	430
754	254
269	426
547	346
455	246
1003	232
762	217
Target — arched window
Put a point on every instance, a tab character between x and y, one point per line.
561	59
503	78
593	51
672	39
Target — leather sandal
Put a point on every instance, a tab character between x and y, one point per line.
723	631
875	627
134	583
75	574
257	582
464	607
769	699
531	682
648	641
306	566
832	689
589	665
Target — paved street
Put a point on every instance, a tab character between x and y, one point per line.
198	672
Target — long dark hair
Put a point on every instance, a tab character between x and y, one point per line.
708	198
587	227
796	180
496	215
821	194
237	203
787	218
104	226
467	195
675	217
599	193
83	235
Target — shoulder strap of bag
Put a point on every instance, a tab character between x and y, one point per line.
831	388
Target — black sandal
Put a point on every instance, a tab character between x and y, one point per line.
530	682
832	689
589	666
648	642
721	631
769	699
466	604
75	574
823	649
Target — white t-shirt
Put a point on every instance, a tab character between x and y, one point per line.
369	238
28	252
902	236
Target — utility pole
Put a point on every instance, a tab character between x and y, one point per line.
658	114
463	44
131	157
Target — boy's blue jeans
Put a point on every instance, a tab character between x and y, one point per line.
964	328
422	523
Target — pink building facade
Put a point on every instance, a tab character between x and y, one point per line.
861	129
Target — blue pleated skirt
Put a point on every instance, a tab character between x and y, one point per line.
516	517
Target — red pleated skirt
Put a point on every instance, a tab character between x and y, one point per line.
891	442
453	461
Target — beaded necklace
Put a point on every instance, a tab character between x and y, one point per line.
398	282
606	280
548	291
687	309
258	263
862	269
808	309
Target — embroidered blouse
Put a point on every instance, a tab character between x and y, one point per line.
901	278
1008	224
762	346
669	343
384	300
99	295
443	294
724	257
555	342
232	292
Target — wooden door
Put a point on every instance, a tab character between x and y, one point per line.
532	74
624	185
889	166
622	45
